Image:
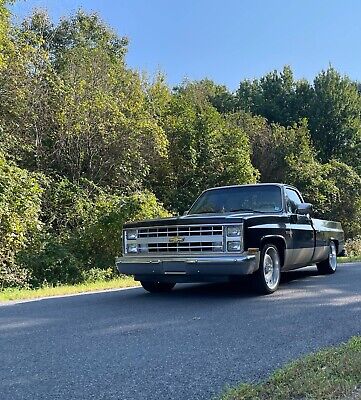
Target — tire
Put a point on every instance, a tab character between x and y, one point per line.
157	287
329	266
267	278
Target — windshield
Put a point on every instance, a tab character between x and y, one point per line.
265	198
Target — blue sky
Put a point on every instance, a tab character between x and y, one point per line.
228	40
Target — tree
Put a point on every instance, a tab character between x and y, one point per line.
273	144
335	118
332	106
272	96
75	107
205	149
207	90
5	43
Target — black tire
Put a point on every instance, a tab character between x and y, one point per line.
267	278
157	287
329	266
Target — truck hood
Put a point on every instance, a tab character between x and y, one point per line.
194	219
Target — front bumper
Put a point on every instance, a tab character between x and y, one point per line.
188	269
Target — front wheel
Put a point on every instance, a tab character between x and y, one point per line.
267	277
157	287
329	265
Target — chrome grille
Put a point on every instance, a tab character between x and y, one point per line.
169	231
185	247
180	239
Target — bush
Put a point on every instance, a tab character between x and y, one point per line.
97	274
50	261
98	240
84	228
353	247
20	199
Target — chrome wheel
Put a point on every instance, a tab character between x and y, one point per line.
329	265
332	257
271	268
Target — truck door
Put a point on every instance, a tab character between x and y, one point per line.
301	230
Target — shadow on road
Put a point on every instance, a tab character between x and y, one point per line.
242	288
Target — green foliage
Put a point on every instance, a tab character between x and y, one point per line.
335	118
272	96
98	239
346	201
332	106
20	196
84	230
50	261
75	107
205	149
98	274
5	43
100	139
353	247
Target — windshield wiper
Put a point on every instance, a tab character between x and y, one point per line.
250	210
202	212
244	209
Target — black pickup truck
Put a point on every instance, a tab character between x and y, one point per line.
261	229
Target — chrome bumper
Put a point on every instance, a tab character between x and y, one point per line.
188	269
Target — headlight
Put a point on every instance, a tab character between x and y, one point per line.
132	248
234	231
132	234
233	246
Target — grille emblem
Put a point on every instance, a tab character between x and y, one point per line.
176	239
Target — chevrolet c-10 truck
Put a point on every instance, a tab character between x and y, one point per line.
259	230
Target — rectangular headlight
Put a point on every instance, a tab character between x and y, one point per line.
132	234
234	231
234	246
132	248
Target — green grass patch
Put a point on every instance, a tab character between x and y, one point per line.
22	294
333	373
348	259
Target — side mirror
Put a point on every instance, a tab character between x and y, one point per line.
304	208
185	212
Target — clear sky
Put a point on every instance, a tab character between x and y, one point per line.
228	40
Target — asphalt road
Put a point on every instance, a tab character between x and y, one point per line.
188	344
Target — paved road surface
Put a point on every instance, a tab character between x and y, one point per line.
187	344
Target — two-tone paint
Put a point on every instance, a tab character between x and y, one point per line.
300	239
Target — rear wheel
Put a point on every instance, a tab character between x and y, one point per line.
157	287
329	265
268	275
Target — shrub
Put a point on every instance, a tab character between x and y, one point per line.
20	199
97	274
98	240
353	247
84	227
50	261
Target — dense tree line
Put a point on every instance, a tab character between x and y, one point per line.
87	143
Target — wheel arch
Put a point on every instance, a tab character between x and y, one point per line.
279	242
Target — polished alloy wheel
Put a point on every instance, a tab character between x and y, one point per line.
332	257
329	265
271	268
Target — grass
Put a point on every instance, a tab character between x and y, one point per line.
22	294
333	373
121	282
348	259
